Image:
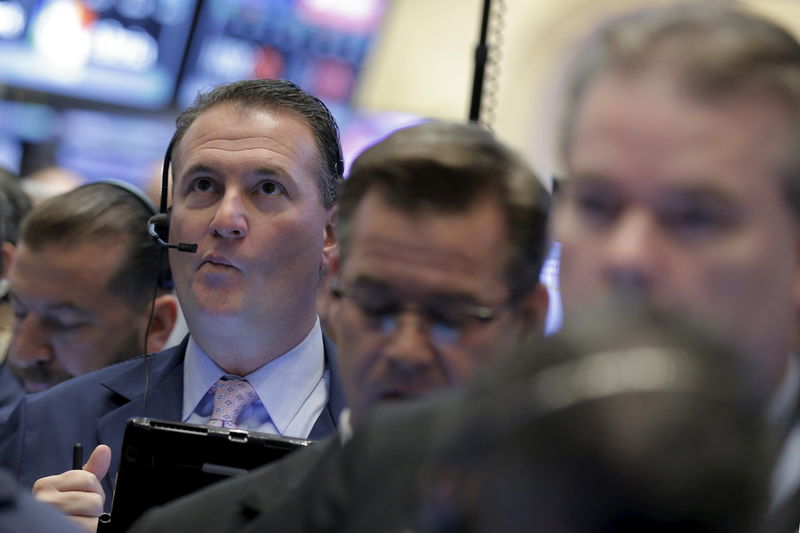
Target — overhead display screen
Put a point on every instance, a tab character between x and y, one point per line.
318	44
122	52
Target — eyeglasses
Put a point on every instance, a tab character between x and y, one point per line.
447	323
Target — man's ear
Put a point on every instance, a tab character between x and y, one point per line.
335	264
165	314
8	251
330	242
532	310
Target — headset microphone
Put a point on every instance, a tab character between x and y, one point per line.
152	230
158	225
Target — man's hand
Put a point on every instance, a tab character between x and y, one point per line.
78	493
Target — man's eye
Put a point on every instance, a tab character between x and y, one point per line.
203	185
62	325
446	318
269	188
697	218
597	206
378	309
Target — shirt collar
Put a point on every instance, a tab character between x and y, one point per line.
345	427
283	385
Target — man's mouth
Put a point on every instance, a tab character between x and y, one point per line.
217	260
37	378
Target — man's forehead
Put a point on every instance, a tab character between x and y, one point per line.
238	110
647	127
469	244
56	261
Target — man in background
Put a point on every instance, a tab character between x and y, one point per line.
442	234
14	205
84	282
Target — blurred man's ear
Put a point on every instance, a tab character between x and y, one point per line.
165	314
8	251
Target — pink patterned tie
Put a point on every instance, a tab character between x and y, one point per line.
231	397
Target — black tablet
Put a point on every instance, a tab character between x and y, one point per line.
162	460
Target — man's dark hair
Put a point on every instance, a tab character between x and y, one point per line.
446	167
15	205
101	213
280	95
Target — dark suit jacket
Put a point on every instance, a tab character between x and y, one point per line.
381	479
93	409
232	504
11	391
373	482
20	512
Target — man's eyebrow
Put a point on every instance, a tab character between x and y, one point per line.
455	297
581	178
701	193
369	282
267	172
199	168
262	171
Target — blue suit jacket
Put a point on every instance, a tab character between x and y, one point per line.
11	391
20	512
93	409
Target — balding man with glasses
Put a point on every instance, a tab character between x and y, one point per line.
442	234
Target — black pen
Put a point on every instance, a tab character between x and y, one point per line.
77	456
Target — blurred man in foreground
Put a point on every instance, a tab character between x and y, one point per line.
628	420
682	182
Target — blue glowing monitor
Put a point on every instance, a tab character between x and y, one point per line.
118	52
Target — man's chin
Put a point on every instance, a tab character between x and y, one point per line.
217	305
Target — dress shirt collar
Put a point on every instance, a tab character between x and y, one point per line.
345	428
297	372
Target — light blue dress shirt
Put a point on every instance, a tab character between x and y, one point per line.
292	389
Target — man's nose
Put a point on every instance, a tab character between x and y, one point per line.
408	346
29	343
230	219
634	252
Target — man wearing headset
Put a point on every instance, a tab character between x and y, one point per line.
84	281
256	165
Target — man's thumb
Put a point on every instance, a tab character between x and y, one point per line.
99	461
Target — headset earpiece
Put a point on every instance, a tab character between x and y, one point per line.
160	224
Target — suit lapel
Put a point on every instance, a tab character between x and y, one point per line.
164	399
328	419
273	482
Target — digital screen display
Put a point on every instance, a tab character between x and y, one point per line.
122	52
319	44
10	154
100	145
